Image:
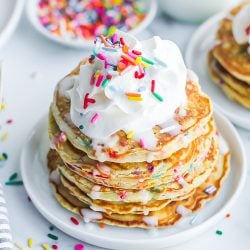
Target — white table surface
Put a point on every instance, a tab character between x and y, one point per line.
33	65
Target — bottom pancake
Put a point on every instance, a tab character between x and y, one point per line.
163	217
235	89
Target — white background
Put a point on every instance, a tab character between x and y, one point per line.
27	98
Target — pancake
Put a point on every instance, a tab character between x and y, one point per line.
119	207
235	89
163	217
130	171
198	112
174	188
232	56
116	207
132	175
239	86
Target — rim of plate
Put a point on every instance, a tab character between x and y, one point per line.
81	44
189	54
186	234
12	22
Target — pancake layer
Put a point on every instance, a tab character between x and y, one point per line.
229	62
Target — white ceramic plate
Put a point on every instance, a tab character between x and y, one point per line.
35	177
196	56
31	9
10	12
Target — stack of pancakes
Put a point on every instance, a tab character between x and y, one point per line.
134	186
229	62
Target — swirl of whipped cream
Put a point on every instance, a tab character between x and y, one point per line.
130	89
241	26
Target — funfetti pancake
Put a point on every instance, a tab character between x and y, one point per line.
232	50
235	89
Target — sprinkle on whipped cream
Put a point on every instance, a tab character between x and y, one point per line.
241	26
128	85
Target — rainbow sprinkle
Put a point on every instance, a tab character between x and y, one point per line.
153	86
79	247
146	60
18	246
102	225
74	220
158	97
62	137
2	107
13	177
45	246
99	80
94	118
9	121
30	242
219	232
142	143
3	157
105	82
52	236
130	134
134	96
87	101
14	183
5	136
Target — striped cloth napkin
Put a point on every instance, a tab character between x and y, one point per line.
5	235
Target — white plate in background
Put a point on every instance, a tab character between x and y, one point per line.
35	178
10	12
196	59
32	10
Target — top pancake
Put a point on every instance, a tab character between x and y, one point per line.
198	112
232	56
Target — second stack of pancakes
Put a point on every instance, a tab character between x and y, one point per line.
229	59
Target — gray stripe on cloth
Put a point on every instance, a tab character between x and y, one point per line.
3	240
4	231
2	221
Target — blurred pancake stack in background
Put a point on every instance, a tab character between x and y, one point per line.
229	59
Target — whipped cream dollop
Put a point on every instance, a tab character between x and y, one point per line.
241	26
128	85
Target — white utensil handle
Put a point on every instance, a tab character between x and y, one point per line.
5	234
